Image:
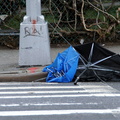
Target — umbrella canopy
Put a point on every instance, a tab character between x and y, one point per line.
64	66
97	62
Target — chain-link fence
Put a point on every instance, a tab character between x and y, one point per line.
73	20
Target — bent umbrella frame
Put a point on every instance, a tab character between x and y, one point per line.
88	64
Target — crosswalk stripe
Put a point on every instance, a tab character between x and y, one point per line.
39	92
27	83
25	98
59	112
47	104
39	87
59	96
50	87
56	91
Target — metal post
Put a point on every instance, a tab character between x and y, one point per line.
34	48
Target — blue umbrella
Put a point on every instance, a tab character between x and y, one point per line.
64	66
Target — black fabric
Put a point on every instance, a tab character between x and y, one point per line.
99	53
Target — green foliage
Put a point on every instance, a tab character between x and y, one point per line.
13	22
50	18
64	16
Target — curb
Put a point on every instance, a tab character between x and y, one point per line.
25	77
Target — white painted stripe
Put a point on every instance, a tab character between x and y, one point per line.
39	92
58	91
26	83
46	104
9	105
38	87
49	87
59	112
59	96
39	104
39	83
52	83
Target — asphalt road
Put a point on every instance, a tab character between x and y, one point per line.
58	101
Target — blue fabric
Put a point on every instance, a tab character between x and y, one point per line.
64	66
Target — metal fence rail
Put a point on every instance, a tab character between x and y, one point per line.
62	18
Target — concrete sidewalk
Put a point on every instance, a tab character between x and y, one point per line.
11	71
9	59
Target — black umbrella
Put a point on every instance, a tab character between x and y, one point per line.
96	62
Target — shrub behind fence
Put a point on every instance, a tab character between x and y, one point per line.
63	16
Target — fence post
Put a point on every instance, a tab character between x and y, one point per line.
34	47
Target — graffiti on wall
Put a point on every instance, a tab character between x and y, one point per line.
33	31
